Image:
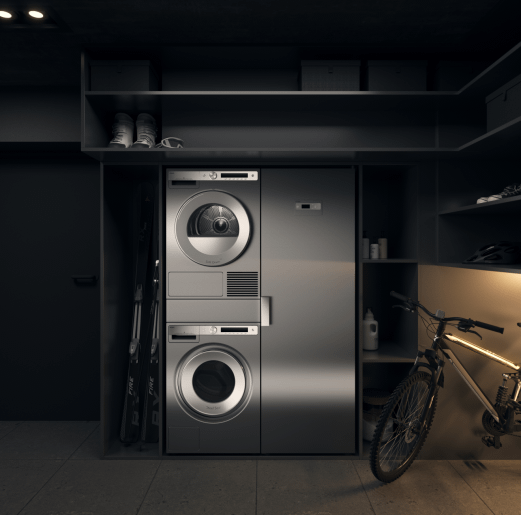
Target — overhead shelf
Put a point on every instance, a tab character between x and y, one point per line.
265	155
509	205
265	100
320	108
512	269
492	78
501	141
505	139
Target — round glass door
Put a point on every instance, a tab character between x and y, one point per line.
212	228
212	383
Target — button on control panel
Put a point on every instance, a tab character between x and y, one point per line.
308	208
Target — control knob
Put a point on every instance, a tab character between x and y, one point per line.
213	175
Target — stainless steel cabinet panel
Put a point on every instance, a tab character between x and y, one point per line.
308	351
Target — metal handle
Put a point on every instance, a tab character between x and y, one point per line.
84	279
265	311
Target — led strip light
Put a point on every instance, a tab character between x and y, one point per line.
481	350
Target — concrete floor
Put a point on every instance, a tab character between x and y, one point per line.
53	468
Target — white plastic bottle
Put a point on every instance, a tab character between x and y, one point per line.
370	331
382	242
365	246
375	251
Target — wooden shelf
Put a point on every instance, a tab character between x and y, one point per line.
388	261
509	205
388	352
512	269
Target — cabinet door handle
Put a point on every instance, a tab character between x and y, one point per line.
265	311
84	279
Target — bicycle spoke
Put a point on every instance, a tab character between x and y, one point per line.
396	450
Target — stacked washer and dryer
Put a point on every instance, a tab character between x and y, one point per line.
252	374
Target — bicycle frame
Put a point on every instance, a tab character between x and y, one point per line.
440	342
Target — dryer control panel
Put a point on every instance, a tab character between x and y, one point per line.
209	175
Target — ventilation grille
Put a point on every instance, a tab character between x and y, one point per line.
243	284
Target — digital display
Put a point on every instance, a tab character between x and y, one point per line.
234	175
306	206
234	329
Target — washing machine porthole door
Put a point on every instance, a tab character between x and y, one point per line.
212	228
212	383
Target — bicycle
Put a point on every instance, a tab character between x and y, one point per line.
407	416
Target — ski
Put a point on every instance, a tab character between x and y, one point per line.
150	426
130	420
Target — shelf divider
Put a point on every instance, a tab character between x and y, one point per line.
389	261
512	269
502	206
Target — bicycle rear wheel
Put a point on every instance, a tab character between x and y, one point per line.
398	438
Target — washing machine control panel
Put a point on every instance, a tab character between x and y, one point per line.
186	333
234	175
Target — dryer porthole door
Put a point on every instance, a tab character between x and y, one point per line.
212	228
212	383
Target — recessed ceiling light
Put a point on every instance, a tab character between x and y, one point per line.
5	14
36	14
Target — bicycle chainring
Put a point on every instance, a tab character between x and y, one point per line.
490	425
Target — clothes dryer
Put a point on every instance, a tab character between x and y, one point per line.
212	234
213	389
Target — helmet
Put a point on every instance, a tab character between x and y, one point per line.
502	252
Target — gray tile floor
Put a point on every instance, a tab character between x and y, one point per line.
53	468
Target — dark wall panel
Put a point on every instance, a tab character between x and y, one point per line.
40	115
50	326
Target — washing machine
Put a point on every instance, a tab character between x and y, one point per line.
213	389
212	234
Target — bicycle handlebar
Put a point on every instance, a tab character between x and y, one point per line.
483	325
494	328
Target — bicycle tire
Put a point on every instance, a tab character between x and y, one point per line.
412	393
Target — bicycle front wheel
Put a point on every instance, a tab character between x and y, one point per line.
398	437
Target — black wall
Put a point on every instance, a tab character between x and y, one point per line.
49	366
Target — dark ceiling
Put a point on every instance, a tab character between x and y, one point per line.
356	28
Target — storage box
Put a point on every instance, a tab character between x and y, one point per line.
123	76
330	76
504	104
453	75
397	75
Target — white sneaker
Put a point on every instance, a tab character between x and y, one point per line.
123	131
146	131
510	191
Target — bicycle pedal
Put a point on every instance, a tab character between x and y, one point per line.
491	441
